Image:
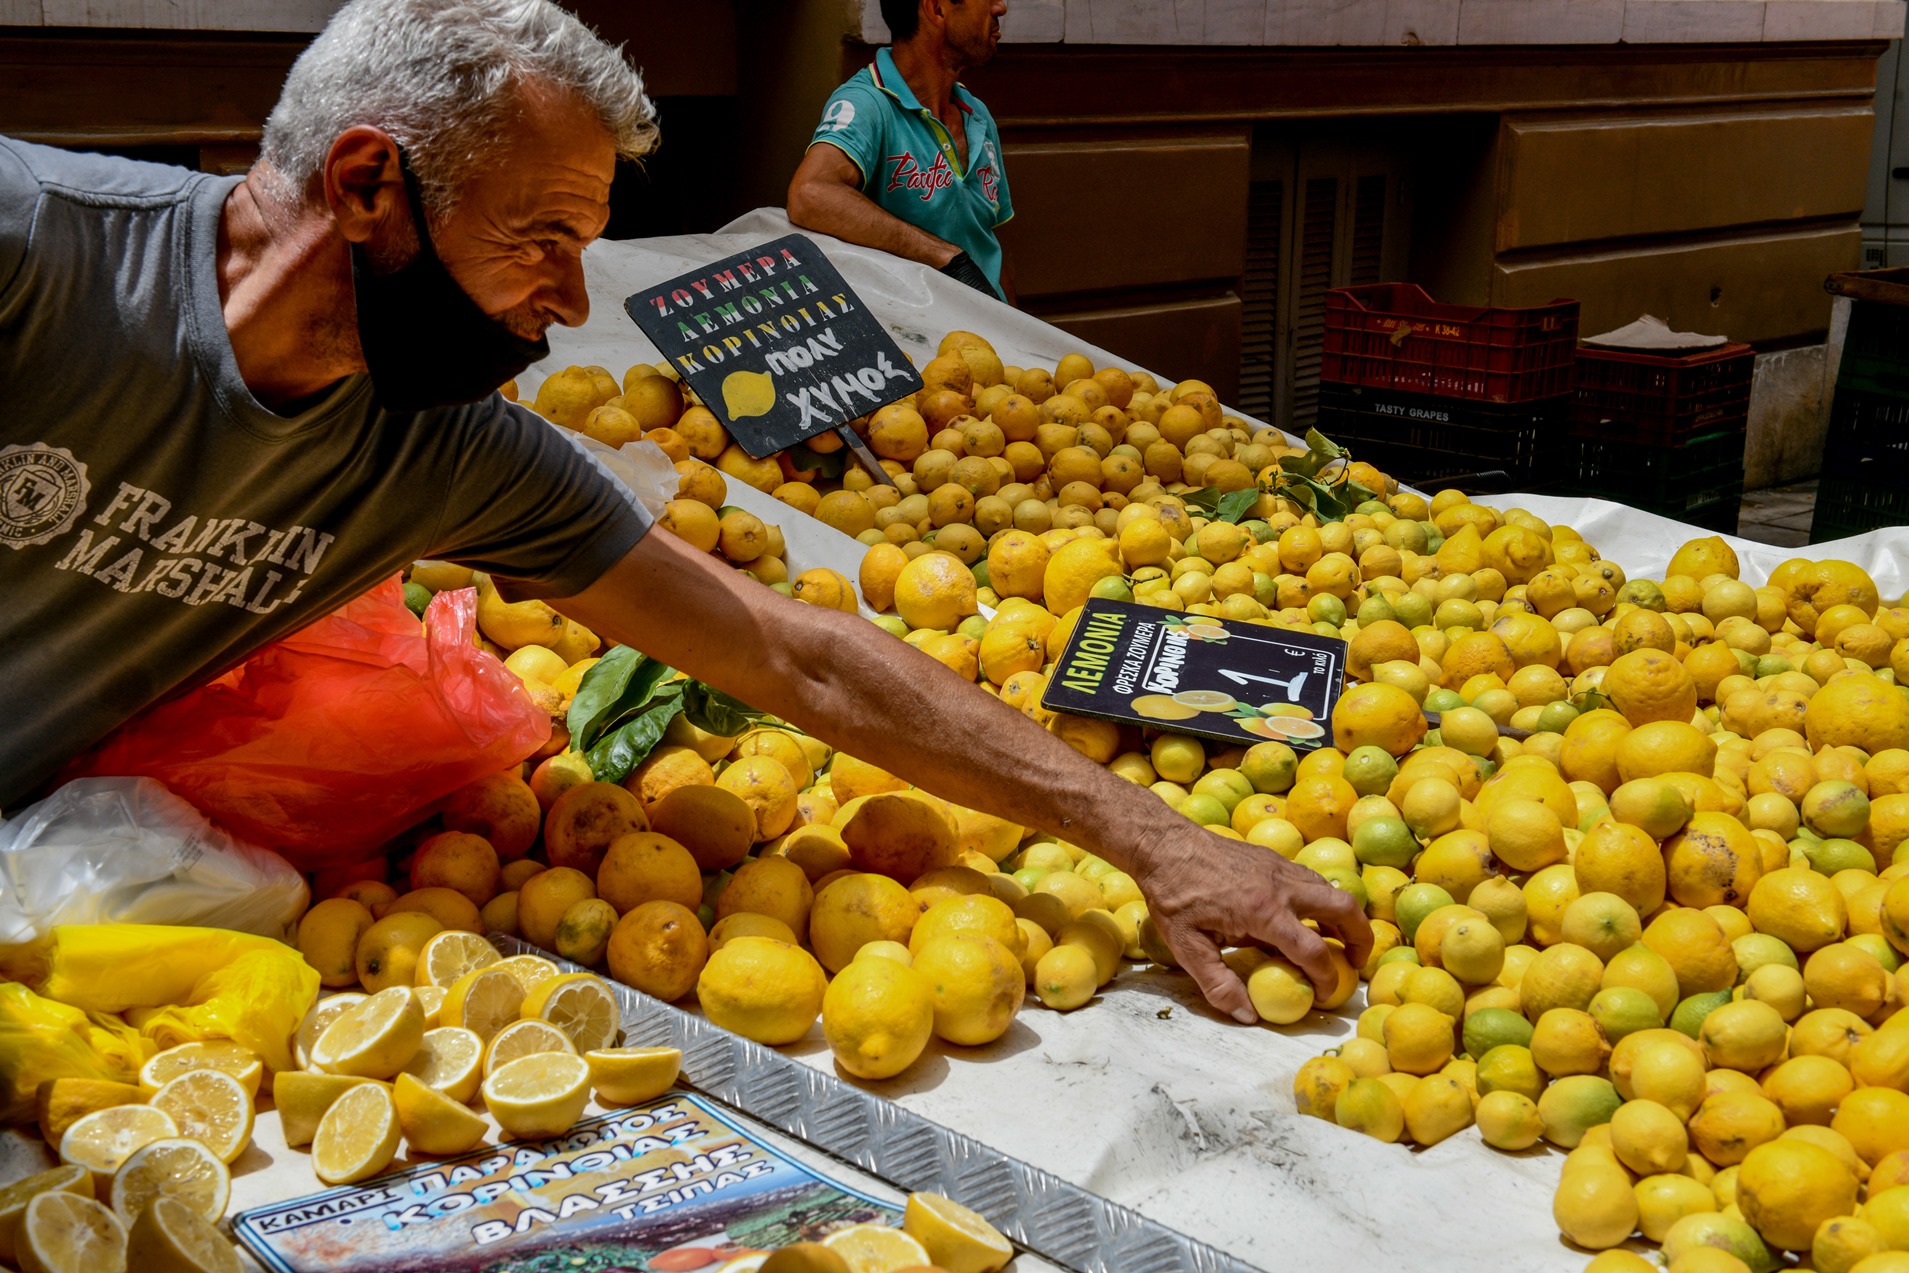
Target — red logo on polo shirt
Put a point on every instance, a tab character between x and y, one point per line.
908	175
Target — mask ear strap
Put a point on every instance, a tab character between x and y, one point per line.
415	195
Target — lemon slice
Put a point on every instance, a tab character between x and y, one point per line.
450	1061
541	1095
177	1168
303	1096
241	1063
101	1141
170	1237
876	1248
358	1136
525	1038
451	955
531	971
956	1239
579	1004
210	1107
374	1040
320	1015
630	1076
431	999
62	1232
432	1122
67	1178
483	1002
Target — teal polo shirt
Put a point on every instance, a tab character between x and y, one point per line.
909	164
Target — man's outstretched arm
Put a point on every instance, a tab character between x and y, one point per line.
847	682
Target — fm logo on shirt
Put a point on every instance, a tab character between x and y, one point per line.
42	493
909	175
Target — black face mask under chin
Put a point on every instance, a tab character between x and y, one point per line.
425	341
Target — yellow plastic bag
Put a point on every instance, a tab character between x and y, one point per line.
180	985
41	1039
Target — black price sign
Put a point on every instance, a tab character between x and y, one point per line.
1191	674
775	343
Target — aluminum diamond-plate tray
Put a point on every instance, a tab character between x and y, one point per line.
1056	1220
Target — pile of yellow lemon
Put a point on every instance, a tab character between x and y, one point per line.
1632	848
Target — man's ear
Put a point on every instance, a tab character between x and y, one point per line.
362	184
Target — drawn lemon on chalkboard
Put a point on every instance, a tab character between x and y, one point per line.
1162	707
748	393
1286	709
1292	727
1207	700
1207	632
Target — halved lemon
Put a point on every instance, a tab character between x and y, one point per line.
170	1237
320	1015
67	1177
358	1136
452	955
581	1005
531	971
103	1140
524	1038
175	1168
630	1076
431	999
210	1107
1207	700
956	1238
432	1122
303	1096
541	1095
63	1232
241	1063
876	1248
483	1001
451	1061
374	1040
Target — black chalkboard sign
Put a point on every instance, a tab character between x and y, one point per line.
1192	674
775	343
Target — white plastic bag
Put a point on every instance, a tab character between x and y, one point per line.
126	850
646	475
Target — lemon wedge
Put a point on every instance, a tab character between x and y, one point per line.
432	1122
175	1168
630	1076
375	1039
452	955
241	1063
210	1107
63	1232
170	1237
581	1005
541	1095
451	1061
358	1136
101	1141
956	1238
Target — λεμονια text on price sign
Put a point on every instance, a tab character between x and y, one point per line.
1192	674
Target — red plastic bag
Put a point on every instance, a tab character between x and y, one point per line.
331	741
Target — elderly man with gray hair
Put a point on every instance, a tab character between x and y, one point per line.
232	405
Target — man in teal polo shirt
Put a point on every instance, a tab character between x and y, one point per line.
907	160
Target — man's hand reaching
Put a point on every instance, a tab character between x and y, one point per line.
1205	892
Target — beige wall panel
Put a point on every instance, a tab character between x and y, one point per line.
1102	215
1586	180
1180	339
1758	288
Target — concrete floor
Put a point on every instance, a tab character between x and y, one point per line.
1779	515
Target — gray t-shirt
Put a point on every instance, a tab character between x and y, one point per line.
157	523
